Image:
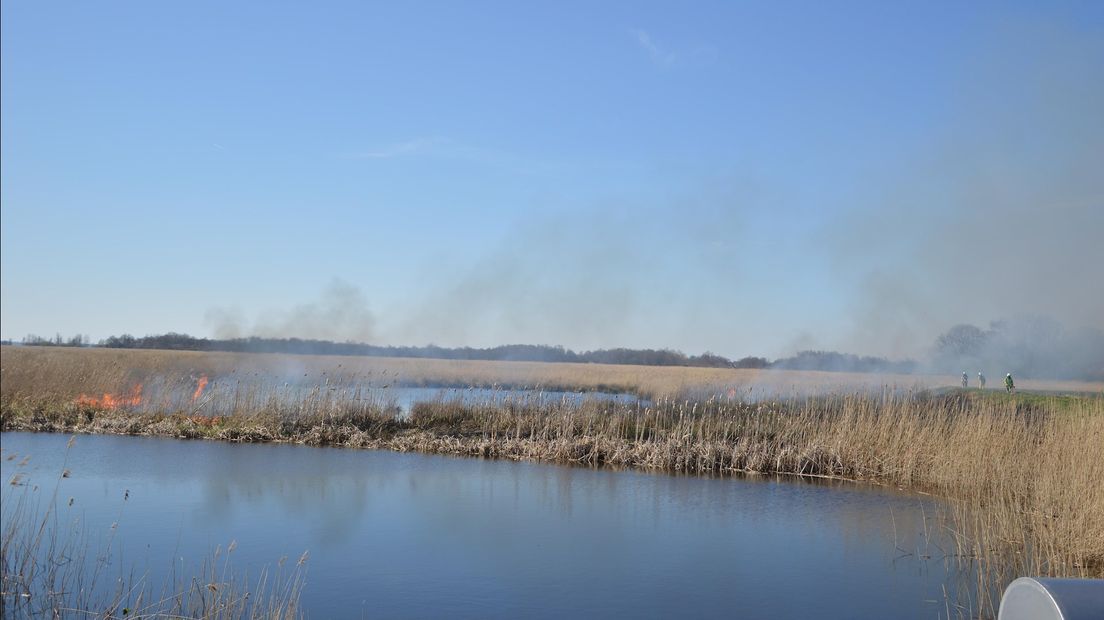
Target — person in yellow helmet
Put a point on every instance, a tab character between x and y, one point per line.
981	380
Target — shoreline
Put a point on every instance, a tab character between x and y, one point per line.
712	459
1019	474
742	438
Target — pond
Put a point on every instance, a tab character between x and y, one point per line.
411	535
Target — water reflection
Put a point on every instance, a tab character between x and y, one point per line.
413	535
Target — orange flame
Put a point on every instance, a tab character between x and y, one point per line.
200	385
113	401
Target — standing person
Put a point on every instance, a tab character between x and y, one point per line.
1009	385
981	380
965	380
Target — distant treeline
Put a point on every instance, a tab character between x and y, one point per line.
844	362
1036	347
512	352
79	340
806	360
1030	346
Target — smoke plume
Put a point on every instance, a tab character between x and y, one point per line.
1002	216
341	314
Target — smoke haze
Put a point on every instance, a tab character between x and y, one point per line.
998	214
342	313
1002	217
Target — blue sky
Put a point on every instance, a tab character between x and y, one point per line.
746	178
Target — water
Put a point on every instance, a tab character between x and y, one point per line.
409	535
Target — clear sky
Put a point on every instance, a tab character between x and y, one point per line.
745	178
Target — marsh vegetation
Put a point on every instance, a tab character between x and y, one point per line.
1021	472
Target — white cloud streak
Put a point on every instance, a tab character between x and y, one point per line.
660	57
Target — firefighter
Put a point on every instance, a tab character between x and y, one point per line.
1009	385
965	380
981	380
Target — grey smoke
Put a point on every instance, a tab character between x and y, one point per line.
593	278
341	313
554	276
1002	216
999	212
1027	346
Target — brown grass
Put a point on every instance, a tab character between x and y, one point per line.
66	372
1022	472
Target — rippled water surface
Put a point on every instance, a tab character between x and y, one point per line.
410	535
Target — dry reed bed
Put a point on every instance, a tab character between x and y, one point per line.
65	373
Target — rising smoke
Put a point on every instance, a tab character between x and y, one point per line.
1003	216
342	313
1029	346
998	213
